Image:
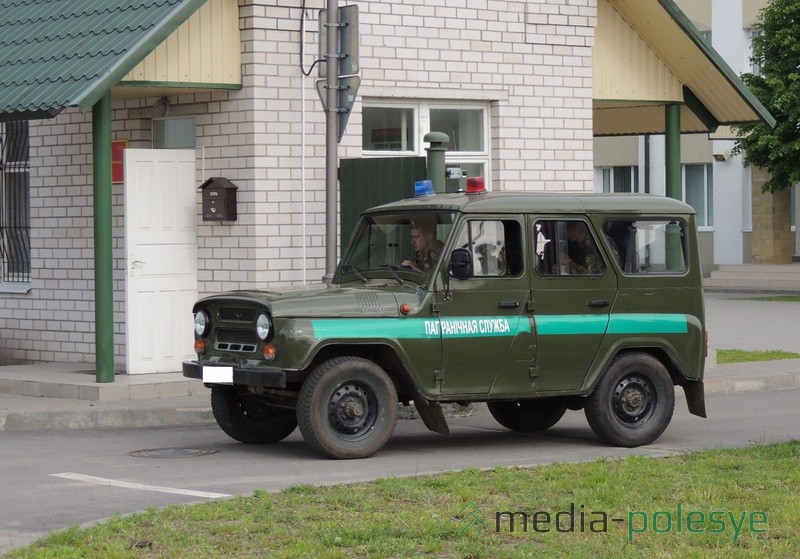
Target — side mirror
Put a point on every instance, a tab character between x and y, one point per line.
460	266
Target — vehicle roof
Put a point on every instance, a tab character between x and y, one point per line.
540	202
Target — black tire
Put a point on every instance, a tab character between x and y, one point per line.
347	408
633	402
528	416
248	419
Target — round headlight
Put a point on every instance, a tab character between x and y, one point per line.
262	326
200	323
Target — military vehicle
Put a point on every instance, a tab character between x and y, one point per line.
531	303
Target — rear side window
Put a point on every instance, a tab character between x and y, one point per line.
651	246
566	247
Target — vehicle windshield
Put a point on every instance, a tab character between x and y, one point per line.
398	242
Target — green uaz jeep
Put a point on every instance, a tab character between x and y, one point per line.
532	303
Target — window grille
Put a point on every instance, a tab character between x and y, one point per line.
15	230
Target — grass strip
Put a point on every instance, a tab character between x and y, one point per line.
782	298
732	503
727	356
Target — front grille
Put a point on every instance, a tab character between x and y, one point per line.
244	341
235	314
239	336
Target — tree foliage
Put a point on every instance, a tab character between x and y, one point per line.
776	49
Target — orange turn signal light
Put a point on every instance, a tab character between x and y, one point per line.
269	352
405	308
199	345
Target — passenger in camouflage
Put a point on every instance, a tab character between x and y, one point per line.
582	255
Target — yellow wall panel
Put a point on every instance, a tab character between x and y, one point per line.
624	67
205	49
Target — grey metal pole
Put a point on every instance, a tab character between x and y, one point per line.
331	137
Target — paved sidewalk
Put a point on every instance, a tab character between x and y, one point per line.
65	396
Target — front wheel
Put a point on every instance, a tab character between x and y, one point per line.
248	419
528	416
633	402
347	408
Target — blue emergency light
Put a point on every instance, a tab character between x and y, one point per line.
423	188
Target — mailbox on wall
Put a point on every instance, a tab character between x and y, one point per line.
219	199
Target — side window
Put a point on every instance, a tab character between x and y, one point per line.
648	246
496	247
566	248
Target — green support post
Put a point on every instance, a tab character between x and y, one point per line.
672	130
436	159
103	259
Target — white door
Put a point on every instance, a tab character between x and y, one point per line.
161	247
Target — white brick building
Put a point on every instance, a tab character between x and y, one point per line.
511	81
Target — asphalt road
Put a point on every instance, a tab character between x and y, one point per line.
54	479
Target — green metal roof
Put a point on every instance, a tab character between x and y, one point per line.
64	53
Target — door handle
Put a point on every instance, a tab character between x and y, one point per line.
599	303
508	304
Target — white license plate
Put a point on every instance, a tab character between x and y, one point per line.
218	375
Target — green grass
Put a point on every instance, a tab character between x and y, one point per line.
727	356
425	516
784	298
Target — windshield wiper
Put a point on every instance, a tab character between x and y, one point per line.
355	269
393	272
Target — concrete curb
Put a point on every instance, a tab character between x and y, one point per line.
131	418
134	414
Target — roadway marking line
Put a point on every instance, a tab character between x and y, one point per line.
139	486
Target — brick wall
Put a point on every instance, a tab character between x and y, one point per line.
772	235
530	62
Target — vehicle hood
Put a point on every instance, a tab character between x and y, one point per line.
379	300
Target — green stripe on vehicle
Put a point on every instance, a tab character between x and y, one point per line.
648	323
499	326
570	324
420	328
623	323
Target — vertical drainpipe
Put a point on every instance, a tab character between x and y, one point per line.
103	262
672	156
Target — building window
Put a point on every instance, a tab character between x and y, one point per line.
15	226
389	129
620	179
698	192
398	128
755	65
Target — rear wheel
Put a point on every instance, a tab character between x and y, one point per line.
248	419
347	408
528	416
633	402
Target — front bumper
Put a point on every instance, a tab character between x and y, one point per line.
268	377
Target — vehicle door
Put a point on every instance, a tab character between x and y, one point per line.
481	319
573	288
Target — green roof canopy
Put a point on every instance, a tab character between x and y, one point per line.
65	53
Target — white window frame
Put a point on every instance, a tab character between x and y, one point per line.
422	124
709	210
755	68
